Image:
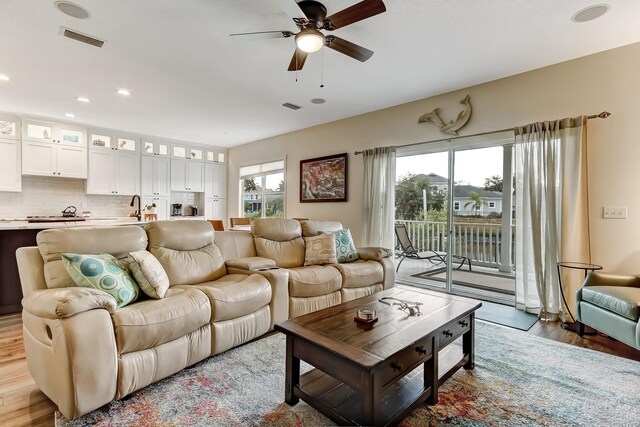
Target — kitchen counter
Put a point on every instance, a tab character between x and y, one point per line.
23	224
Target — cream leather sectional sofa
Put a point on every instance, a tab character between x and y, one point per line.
226	289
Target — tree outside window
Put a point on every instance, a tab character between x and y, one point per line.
263	196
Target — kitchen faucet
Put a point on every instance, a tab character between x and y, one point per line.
138	211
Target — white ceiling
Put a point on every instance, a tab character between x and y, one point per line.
189	80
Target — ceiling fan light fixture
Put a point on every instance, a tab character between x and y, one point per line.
309	40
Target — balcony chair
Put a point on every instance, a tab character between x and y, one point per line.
610	303
409	251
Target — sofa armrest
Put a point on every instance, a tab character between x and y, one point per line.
598	278
66	302
279	280
373	253
30	269
251	263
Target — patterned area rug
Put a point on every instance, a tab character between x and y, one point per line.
519	380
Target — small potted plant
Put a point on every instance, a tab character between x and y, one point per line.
152	209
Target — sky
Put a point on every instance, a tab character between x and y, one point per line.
471	166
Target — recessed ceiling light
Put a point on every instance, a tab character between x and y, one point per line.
70	115
83	99
590	13
318	101
124	92
4	77
72	9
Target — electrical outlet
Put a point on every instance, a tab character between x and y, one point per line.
614	212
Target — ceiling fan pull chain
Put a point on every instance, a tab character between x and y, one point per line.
322	68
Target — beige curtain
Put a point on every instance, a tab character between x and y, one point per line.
379	196
552	221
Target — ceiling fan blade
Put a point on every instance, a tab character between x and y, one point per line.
297	62
350	49
359	11
266	34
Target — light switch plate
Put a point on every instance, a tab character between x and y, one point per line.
614	212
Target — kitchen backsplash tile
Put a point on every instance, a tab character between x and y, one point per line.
49	196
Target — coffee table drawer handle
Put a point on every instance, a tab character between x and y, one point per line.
396	366
464	323
421	351
447	333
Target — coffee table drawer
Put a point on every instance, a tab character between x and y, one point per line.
453	330
406	360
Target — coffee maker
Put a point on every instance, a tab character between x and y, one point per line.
177	209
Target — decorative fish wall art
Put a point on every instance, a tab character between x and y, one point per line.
451	127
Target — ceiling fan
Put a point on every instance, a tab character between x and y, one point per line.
310	39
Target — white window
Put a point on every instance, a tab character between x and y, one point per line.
456	206
492	204
263	188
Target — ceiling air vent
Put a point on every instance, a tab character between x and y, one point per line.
81	37
291	106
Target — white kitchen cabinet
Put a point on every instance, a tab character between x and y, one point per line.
215	209
216	155
155	176
49	159
55	133
127	176
101	170
162	206
215	180
187	175
10	165
9	127
113	172
188	152
154	148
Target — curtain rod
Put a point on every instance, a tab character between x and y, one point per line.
602	115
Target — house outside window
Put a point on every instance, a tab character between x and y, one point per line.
263	190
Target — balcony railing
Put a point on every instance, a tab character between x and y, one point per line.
480	242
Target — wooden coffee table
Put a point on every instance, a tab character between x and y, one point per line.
376	374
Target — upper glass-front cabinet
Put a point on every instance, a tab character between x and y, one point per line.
196	153
100	141
51	132
126	144
71	137
181	151
9	128
39	132
216	156
155	148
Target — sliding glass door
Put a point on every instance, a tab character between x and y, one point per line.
457	208
422	212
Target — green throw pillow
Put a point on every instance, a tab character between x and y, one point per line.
345	249
102	272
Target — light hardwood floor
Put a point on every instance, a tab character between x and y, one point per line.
22	404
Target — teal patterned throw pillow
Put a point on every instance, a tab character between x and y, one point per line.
345	249
102	272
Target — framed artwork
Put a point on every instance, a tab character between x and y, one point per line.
324	179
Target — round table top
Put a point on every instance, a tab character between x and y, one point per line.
579	265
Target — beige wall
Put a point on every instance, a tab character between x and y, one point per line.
605	81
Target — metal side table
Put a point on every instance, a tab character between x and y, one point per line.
573	326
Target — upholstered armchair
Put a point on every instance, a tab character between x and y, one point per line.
610	303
